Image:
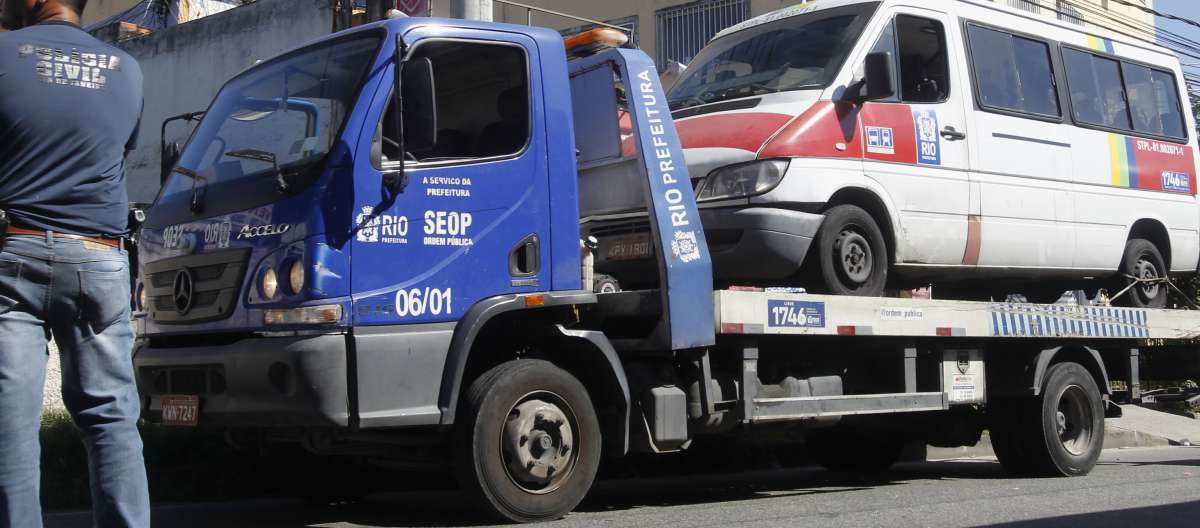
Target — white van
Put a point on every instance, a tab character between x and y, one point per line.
895	143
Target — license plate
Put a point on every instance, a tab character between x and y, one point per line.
629	247
181	410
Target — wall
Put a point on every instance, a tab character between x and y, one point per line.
644	9
185	66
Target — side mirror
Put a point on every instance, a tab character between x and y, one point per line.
418	104
878	78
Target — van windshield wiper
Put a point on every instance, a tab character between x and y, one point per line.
266	157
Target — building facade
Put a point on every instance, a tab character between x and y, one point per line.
674	30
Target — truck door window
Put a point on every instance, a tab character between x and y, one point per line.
918	48
482	93
1013	73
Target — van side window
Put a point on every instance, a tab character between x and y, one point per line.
919	46
1117	94
1097	89
1153	101
482	96
1013	73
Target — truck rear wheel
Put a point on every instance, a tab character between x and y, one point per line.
851	252
1059	433
528	441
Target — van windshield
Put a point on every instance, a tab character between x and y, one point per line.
268	131
794	53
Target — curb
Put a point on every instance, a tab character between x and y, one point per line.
1114	438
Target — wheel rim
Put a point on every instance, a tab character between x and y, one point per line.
1074	420
854	256
538	442
1145	269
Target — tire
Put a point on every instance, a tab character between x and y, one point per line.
527	442
851	252
1057	434
1142	259
854	450
1004	420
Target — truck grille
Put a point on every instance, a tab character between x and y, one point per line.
195	288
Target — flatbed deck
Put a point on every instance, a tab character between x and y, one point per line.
773	313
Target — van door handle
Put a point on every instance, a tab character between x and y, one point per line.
953	135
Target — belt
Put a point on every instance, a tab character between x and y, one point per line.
110	242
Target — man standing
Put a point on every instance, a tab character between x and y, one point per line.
69	110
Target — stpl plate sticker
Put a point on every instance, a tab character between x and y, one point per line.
796	314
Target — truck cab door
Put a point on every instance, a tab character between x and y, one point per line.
915	142
471	221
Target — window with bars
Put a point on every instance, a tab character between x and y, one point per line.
1068	12
1031	6
682	30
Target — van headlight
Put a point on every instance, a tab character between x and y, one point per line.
740	181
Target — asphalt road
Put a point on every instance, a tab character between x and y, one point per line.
1157	488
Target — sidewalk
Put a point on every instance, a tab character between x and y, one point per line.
1138	427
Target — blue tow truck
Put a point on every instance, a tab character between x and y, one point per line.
371	246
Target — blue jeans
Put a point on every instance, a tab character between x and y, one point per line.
79	293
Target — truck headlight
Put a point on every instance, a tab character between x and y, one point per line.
270	284
296	276
740	181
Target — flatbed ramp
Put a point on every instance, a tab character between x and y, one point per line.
774	313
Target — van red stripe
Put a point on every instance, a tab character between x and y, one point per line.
741	130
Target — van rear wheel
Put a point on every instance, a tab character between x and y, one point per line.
1142	260
851	252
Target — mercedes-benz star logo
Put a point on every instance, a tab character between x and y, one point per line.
182	293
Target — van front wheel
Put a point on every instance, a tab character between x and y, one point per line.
851	253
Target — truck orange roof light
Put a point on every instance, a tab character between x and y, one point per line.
589	42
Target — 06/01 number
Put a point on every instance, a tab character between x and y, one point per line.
416	302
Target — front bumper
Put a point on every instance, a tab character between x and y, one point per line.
745	243
253	382
758	242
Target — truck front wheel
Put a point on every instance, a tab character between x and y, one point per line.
528	441
1059	433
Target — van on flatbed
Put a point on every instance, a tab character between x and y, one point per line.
1000	150
371	248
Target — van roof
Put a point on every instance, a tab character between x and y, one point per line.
819	5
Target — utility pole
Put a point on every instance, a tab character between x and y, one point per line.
472	10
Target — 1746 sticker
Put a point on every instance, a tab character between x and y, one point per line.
797	314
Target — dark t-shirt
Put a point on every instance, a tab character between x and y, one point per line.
69	111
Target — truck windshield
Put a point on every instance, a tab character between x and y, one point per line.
794	53
268	131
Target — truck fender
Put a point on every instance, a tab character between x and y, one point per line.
611	379
1095	366
474	320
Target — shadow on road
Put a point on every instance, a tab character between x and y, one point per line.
1164	515
446	507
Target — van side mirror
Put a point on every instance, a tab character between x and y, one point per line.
879	78
418	104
